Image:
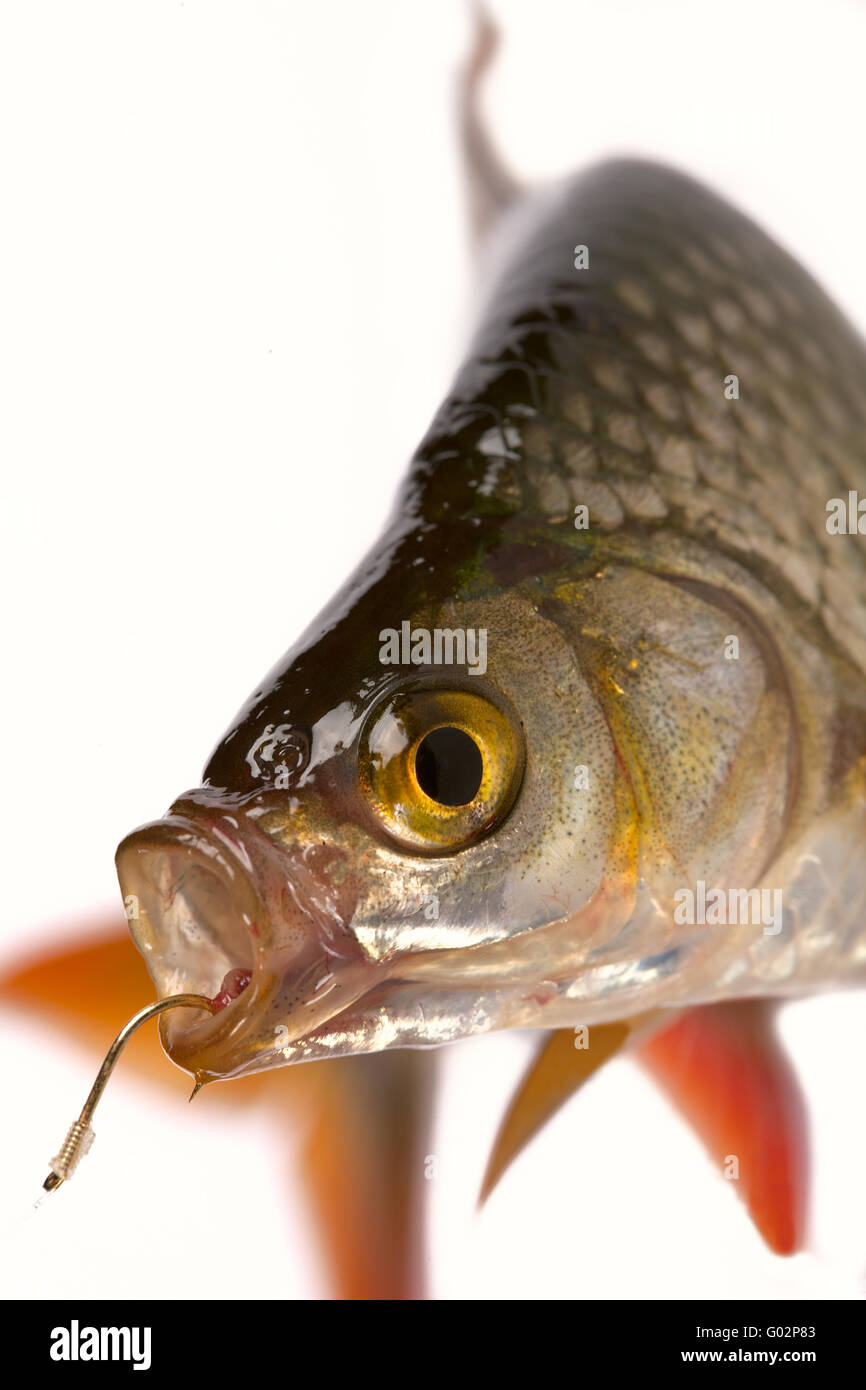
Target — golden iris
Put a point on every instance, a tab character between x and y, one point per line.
441	768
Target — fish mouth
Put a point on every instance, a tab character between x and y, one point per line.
200	926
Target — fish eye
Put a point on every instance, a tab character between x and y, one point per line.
440	768
449	766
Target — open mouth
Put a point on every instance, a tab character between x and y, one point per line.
217	909
197	920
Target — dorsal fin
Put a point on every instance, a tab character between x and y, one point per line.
490	186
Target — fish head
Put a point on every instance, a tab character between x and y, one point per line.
428	826
380	802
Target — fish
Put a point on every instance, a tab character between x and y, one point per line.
580	747
606	651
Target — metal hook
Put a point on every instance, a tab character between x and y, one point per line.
80	1136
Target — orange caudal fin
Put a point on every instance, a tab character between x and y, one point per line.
87	986
365	1168
89	968
724	1069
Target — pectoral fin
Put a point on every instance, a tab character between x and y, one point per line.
566	1060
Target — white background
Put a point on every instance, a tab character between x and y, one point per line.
234	281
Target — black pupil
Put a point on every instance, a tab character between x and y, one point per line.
448	766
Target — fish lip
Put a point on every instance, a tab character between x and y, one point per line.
220	906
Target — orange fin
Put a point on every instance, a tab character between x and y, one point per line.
89	986
99	970
364	1161
559	1069
365	1166
724	1069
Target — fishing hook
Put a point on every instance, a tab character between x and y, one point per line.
80	1136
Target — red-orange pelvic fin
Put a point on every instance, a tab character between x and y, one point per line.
724	1069
365	1165
566	1059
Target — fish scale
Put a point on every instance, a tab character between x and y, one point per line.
630	350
